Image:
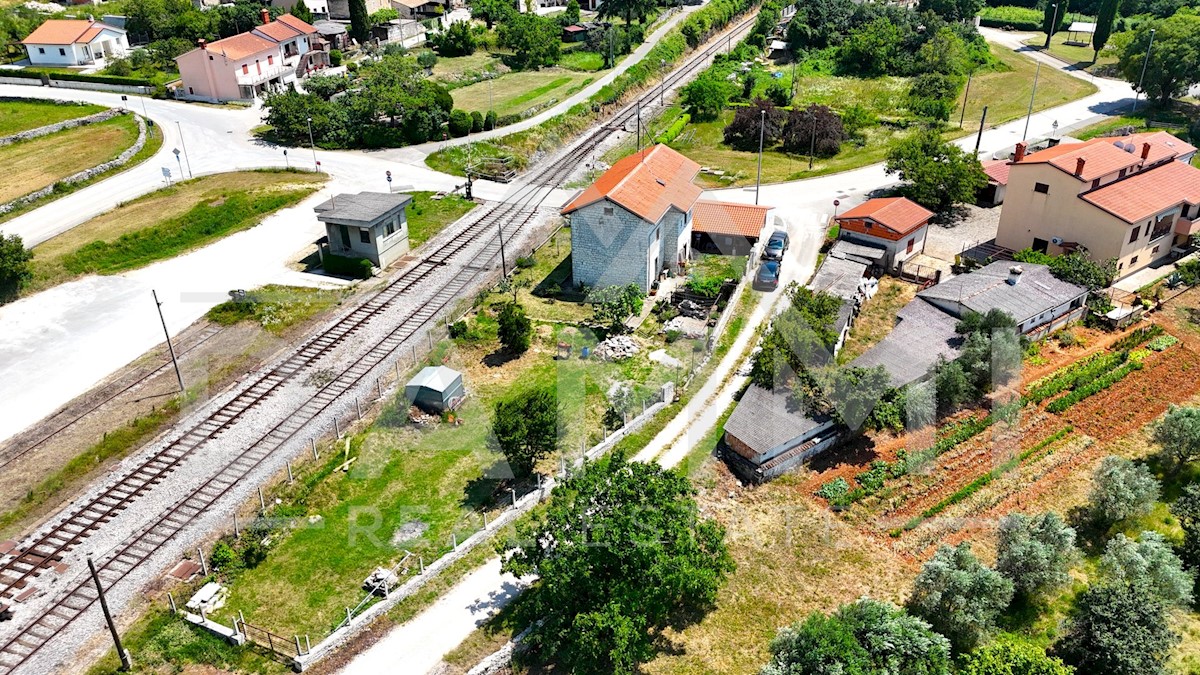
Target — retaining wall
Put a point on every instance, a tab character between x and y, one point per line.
29	134
73	84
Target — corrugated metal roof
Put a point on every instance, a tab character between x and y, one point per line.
838	277
437	378
765	419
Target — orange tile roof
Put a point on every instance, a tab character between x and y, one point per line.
997	171
1161	143
277	31
60	32
899	214
241	45
1101	157
1148	192
89	34
646	183
299	24
739	220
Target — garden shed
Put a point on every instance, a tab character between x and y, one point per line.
436	389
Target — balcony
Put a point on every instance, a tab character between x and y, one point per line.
1187	226
268	73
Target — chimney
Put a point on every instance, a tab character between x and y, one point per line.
1020	153
1079	165
266	16
1145	151
1014	275
203	44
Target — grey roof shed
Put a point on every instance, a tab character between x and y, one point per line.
436	389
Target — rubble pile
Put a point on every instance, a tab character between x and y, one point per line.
692	309
688	327
380	581
616	348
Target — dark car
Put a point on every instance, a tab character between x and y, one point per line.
767	277
776	246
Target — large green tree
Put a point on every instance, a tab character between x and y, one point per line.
959	597
706	96
1121	489
938	174
1150	562
534	40
1174	61
492	11
14	266
514	328
621	553
1035	553
1118	630
1178	433
525	426
360	21
952	10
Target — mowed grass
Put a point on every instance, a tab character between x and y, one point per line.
18	116
32	165
428	216
166	223
1006	94
582	60
517	92
878	317
453	68
1081	56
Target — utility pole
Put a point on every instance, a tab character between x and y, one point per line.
1145	62
1053	24
126	662
170	347
1029	115
979	137
762	127
185	154
963	116
312	144
503	261
639	125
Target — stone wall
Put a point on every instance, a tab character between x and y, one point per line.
609	250
59	126
86	174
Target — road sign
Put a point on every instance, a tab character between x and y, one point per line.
837	202
166	172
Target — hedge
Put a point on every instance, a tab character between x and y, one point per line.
358	268
675	129
1018	18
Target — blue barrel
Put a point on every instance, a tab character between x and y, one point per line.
583	354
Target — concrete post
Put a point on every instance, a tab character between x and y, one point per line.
348	616
357	408
485	520
313	443
514	496
421	560
336	431
236	532
430	336
262	502
307	645
171	599
203	562
298	652
454	541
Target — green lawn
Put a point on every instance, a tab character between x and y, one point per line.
452	69
17	116
1081	56
517	92
582	60
428	216
32	165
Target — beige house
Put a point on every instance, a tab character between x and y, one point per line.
1130	198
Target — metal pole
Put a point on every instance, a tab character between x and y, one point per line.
967	94
1029	115
979	138
503	263
1053	22
1145	62
170	347
291	478
639	125
185	152
126	663
762	127
312	144
236	531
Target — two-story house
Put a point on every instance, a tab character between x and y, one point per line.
1131	198
247	65
74	42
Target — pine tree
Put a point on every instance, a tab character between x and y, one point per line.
302	12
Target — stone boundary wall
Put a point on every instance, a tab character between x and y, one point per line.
86	174
73	84
30	134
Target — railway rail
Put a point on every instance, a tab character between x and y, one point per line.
47	549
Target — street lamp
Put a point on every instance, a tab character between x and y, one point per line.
1052	26
285	159
312	144
1029	115
1145	62
185	155
177	161
762	128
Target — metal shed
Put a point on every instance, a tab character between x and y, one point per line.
436	389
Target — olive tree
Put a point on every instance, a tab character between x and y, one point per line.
1035	553
959	596
1148	561
1121	489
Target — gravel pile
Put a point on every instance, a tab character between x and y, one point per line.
617	348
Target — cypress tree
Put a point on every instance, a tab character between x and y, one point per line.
360	23
302	12
1104	25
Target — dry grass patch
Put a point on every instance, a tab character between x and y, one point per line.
32	165
878	317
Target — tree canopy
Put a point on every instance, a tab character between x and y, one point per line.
815	129
14	266
1149	561
1121	489
1174	61
938	174
706	96
492	11
621	553
959	597
748	121
1118	630
533	39
1035	553
1178	433
1010	656
525	426
514	328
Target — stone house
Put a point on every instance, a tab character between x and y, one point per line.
895	224
1131	198
371	225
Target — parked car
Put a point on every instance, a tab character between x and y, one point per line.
776	246
767	277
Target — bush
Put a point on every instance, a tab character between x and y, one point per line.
675	129
14	266
1122	489
458	330
460	123
526	261
834	490
476	122
515	330
342	266
223	557
489	120
335	57
426	59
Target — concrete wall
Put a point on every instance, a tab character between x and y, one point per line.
382	249
612	250
896	250
56	55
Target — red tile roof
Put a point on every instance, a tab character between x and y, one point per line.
646	183
63	32
1148	192
899	214
241	45
299	24
739	220
1101	157
277	31
997	171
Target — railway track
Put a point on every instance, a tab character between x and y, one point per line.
48	548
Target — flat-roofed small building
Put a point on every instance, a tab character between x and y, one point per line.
371	225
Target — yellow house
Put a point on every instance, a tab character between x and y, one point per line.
1130	198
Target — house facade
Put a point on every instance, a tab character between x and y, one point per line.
340	9
895	224
248	65
74	42
1130	198
371	225
766	435
634	222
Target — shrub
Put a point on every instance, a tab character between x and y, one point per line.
356	268
335	57
834	489
525	262
489	120
223	557
476	121
458	330
1121	489
460	123
515	330
1067	339
675	129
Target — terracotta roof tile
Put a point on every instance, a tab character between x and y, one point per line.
1148	192
59	32
277	31
997	171
646	183
1103	156
241	45
292	22
742	220
899	214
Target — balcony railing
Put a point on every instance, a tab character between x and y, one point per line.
1187	226
268	73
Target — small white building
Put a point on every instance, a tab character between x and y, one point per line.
74	42
371	225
